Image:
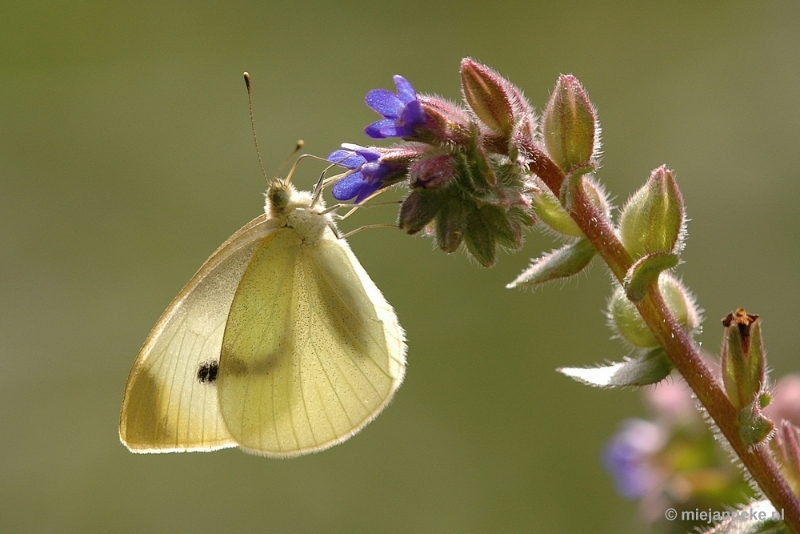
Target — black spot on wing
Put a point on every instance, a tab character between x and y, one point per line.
207	373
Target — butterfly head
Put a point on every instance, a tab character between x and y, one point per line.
283	198
279	195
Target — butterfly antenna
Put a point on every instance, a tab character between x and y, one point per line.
253	123
297	147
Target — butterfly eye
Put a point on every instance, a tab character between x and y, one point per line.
278	197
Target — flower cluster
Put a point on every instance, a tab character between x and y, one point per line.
469	188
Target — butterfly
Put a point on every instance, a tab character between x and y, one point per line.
280	344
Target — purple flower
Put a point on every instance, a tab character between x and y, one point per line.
627	457
368	176
402	112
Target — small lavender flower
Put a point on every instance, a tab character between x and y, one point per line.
402	112
627	457
371	173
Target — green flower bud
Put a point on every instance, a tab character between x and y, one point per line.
569	124
652	220
626	320
550	211
488	226
742	358
553	215
477	165
451	224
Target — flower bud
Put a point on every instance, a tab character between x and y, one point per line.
447	124
477	166
626	320
569	124
487	227
742	358
552	213
491	97
743	366
652	220
432	172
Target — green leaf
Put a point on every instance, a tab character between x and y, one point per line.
573	181
451	224
645	271
753	426
480	235
564	262
418	209
649	368
553	215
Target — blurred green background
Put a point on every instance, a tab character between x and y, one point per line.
126	157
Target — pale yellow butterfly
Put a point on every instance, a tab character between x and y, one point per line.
281	344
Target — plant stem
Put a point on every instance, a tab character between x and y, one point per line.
681	349
687	359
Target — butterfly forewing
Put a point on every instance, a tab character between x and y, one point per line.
169	404
311	351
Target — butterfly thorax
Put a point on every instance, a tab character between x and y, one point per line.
289	208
